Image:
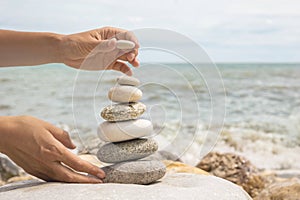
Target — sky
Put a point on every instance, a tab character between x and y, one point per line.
228	30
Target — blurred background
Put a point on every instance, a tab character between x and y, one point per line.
254	43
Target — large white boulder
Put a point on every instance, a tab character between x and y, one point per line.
172	186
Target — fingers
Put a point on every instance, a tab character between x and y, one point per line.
55	171
80	165
131	57
61	135
106	61
128	35
105	56
135	63
67	175
106	46
122	67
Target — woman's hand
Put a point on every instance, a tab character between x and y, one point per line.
41	150
96	50
91	50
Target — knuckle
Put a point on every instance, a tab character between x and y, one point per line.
79	164
65	134
93	169
68	177
52	151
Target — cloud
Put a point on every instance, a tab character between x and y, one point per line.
226	28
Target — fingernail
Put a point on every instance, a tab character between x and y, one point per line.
130	57
95	180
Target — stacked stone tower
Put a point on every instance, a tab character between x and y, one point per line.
127	137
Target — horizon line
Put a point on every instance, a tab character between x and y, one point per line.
231	62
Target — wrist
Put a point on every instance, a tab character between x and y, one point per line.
7	129
55	45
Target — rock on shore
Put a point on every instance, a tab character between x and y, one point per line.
173	186
234	168
8	169
284	190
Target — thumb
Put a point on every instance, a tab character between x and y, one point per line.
106	45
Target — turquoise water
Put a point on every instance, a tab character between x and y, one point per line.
262	99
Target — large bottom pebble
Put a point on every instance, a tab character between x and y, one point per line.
135	172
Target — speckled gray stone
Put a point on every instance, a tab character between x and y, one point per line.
123	111
128	80
134	172
125	151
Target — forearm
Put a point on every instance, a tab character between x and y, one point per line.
29	48
4	131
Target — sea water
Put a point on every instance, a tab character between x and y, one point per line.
261	106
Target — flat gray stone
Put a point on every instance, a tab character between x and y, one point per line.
126	151
128	80
134	172
123	111
173	186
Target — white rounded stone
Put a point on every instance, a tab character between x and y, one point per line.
125	94
125	44
125	130
128	80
